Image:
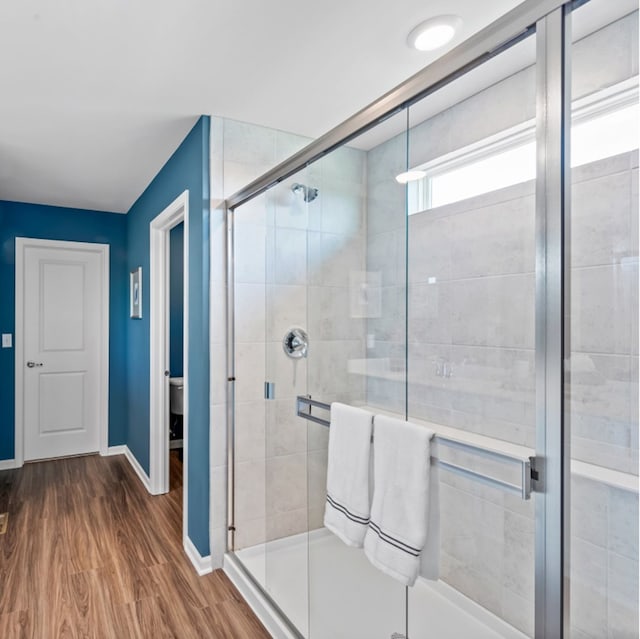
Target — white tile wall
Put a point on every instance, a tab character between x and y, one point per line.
286	307
250	435
218	351
241	152
589	588
599	237
250	491
604	560
595	292
605	57
293	261
285	436
495	240
622	600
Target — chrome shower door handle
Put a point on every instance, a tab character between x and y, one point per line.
34	364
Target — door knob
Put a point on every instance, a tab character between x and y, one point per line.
34	364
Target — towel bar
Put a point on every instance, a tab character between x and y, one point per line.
304	406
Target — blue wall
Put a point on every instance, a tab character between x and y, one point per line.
54	223
176	299
187	169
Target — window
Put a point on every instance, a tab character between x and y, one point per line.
604	124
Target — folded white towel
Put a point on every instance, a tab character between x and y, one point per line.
347	509
400	512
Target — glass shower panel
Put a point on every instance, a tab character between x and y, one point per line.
356	318
292	205
601	392
471	337
252	229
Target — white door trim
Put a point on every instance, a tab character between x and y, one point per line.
22	243
176	212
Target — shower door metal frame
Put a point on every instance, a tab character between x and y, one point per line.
553	203
550	19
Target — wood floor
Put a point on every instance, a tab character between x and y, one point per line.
89	553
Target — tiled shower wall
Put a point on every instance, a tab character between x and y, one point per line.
337	253
470	344
239	153
475	259
293	264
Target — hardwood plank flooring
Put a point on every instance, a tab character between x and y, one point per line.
88	553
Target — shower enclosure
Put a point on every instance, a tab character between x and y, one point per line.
463	254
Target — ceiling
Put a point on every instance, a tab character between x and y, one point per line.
587	19
97	94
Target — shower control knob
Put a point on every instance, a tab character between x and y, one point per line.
295	343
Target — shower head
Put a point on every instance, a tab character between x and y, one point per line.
309	194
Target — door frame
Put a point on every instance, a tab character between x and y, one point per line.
22	243
159	229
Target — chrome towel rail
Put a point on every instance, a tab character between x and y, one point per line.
304	406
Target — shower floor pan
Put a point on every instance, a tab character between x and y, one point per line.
347	598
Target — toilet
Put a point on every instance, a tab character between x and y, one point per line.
176	388
176	405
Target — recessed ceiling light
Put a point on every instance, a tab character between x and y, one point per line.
410	176
434	33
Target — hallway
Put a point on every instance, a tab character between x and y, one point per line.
89	553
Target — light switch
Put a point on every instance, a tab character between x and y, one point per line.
7	341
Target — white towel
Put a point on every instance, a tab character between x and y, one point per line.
347	509
398	539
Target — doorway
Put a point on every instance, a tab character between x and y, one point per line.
160	353
62	342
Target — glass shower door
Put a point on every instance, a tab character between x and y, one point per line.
471	339
271	505
419	300
291	204
348	294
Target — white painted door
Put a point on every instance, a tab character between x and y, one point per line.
62	334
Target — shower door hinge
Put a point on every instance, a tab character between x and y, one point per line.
269	390
231	528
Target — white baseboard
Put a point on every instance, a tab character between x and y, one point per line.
135	464
271	619
8	464
115	450
201	564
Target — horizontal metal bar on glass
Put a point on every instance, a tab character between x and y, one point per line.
479	477
511	28
304	406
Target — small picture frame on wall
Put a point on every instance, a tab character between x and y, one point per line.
135	293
